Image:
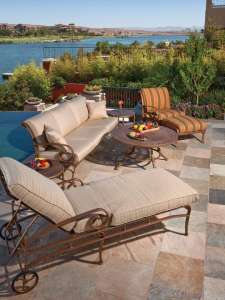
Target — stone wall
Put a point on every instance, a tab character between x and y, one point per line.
215	13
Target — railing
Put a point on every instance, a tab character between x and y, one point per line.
55	52
128	95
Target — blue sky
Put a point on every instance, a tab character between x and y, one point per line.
105	13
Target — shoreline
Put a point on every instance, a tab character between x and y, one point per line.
57	39
35	40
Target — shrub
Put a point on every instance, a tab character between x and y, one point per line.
58	81
214	97
64	68
35	79
12	97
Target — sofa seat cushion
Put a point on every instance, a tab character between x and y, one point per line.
185	124
85	138
109	124
36	191
132	196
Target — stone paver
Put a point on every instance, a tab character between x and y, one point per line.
158	267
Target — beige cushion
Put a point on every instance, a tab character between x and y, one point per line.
65	118
85	138
106	124
133	196
97	110
37	123
36	191
53	136
79	110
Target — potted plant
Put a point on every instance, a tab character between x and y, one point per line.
33	101
69	96
92	89
34	104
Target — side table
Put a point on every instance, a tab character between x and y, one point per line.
57	170
122	113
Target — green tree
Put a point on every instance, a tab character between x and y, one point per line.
198	72
103	47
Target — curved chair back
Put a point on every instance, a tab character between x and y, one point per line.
36	191
155	99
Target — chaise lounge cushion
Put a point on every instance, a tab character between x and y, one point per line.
158	99
85	138
169	113
126	197
36	191
185	124
132	196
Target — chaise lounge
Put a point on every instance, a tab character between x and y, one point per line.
158	100
92	216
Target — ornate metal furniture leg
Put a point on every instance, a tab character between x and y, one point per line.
151	157
118	162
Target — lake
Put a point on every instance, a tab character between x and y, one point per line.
12	55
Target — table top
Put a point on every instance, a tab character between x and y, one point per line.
55	170
162	137
123	112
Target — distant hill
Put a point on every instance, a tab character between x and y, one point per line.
166	29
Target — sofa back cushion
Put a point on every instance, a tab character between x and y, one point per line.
36	191
65	118
36	125
79	109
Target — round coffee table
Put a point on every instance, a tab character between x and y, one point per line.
122	114
154	140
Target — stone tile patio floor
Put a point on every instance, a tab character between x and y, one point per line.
159	267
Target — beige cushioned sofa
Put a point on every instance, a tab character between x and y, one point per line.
71	120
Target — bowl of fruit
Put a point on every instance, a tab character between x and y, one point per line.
42	163
146	127
136	135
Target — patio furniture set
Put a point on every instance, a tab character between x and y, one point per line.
96	215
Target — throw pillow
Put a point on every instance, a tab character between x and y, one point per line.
97	110
53	136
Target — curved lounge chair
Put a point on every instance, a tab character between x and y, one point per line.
92	215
